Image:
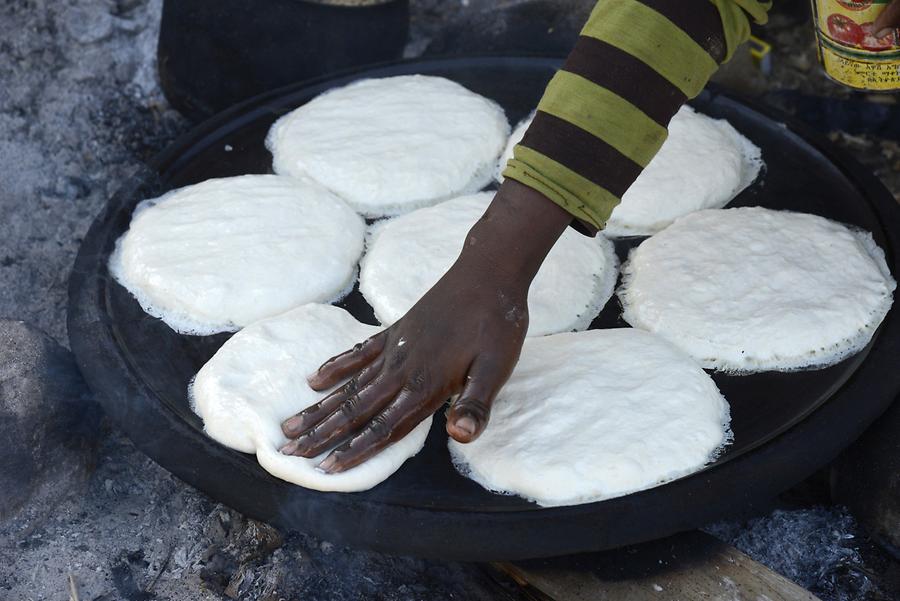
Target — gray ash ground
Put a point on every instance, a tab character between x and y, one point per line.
137	533
80	110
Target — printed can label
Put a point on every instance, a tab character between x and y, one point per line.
849	49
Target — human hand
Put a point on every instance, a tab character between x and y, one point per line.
462	337
888	20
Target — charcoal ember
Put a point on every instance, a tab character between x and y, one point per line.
48	420
256	541
238	563
218	573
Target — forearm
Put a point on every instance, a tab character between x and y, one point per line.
515	234
604	115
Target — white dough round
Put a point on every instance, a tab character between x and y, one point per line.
221	254
258	379
390	145
704	163
752	289
592	415
407	255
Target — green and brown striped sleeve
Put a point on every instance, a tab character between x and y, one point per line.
604	114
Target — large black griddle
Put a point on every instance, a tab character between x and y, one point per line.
786	425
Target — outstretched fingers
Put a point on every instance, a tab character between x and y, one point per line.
342	366
396	421
351	414
314	414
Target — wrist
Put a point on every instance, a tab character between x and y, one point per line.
516	233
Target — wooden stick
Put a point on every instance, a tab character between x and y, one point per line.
686	567
73	588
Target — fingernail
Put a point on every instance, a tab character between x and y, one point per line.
883	32
292	423
289	448
467	424
327	464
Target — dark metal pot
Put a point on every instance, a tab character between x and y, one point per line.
215	54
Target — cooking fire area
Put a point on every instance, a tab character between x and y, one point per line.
106	102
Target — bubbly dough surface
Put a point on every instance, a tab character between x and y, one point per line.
592	415
407	255
390	145
752	289
258	379
221	254
704	163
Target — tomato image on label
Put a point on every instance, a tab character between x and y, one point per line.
855	4
844	29
872	42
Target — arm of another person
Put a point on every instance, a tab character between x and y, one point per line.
600	121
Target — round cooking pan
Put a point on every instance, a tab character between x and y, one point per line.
786	425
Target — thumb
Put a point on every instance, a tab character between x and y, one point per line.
469	413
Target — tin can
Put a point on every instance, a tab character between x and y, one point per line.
849	50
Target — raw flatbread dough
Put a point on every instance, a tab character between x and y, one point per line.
391	145
258	379
219	255
752	289
593	415
407	255
704	163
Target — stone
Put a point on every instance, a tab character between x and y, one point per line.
48	420
89	25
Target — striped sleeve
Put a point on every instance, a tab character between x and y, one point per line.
604	114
